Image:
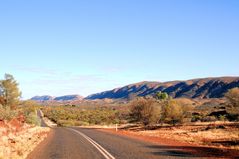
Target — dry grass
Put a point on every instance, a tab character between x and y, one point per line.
18	139
216	134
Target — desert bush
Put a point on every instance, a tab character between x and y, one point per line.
173	112
233	117
71	123
144	111
2	102
7	114
65	123
29	103
196	118
32	118
209	119
222	117
26	110
66	116
232	97
29	114
185	102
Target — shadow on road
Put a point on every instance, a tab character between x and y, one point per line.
192	151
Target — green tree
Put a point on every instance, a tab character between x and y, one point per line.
9	91
161	95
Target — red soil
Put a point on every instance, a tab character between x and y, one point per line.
196	149
2	124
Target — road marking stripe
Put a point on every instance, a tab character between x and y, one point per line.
105	153
102	148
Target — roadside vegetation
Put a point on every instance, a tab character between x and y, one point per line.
156	110
19	123
10	105
74	116
162	109
212	122
204	121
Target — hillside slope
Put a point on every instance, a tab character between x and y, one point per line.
60	98
195	88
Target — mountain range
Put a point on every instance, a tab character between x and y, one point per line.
195	88
60	98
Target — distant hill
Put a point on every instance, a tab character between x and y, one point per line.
195	88
68	97
42	98
60	98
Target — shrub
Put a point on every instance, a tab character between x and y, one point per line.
32	118
161	95
7	114
233	117
222	117
196	118
209	119
232	97
67	115
173	112
144	111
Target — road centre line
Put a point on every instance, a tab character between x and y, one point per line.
104	152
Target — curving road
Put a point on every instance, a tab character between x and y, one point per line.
81	143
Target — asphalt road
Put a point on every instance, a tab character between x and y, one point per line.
80	143
83	143
40	116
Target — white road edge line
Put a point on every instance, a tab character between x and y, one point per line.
104	152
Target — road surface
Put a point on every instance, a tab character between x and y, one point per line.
40	116
82	143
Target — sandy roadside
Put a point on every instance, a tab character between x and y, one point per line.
184	146
17	140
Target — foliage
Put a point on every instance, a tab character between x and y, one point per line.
66	116
28	112
29	103
196	118
173	112
161	95
222	117
7	114
10	98
144	111
32	118
233	97
9	91
150	111
209	119
2	101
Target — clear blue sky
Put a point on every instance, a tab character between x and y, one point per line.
60	47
